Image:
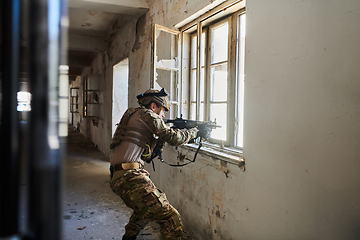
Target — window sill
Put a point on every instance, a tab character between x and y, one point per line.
230	155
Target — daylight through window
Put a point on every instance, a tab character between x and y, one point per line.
202	65
219	88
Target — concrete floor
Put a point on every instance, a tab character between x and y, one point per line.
90	209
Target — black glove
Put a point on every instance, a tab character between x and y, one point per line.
204	131
157	151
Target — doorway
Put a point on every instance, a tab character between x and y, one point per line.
120	91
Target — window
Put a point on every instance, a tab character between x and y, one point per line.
195	114
213	82
120	93
91	96
216	92
210	84
166	65
74	100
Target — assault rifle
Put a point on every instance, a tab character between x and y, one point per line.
205	129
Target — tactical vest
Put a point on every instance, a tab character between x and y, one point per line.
130	134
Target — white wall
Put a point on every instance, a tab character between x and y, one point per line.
301	143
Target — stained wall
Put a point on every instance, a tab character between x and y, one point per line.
301	133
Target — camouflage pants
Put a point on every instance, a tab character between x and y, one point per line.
149	204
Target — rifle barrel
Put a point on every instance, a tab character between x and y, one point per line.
193	123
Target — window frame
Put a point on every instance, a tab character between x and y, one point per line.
232	70
86	93
228	11
155	63
74	99
207	75
198	83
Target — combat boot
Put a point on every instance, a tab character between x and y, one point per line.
129	238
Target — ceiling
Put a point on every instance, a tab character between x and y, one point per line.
89	23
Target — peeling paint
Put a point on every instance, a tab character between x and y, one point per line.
216	212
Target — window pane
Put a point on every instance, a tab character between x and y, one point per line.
202	50
174	96
202	84
218	81
193	90
174	111
74	100
240	81
92	83
74	108
74	92
218	113
192	111
201	115
193	86
202	94
193	51
219	43
92	97
166	45
163	79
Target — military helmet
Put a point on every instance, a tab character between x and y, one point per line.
153	95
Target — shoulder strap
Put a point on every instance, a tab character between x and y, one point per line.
123	122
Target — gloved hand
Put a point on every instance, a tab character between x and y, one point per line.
204	131
157	151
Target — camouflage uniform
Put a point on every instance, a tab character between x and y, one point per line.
135	187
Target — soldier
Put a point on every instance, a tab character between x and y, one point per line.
131	146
